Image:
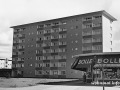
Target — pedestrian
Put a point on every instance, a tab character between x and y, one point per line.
84	78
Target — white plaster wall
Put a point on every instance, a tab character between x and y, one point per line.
106	34
3	64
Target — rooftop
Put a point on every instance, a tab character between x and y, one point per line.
102	11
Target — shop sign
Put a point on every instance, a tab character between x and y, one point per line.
100	61
106	83
109	60
85	61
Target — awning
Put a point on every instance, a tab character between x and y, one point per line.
106	65
85	61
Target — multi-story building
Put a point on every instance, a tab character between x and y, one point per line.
46	48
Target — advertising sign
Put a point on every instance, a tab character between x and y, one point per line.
111	60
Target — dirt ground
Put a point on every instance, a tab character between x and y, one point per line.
25	82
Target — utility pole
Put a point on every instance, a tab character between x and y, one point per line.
103	75
92	65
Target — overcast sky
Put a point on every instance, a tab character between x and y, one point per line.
16	12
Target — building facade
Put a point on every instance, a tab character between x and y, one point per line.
46	49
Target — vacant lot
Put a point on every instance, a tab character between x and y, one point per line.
24	82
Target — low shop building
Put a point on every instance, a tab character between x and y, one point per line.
99	67
5	68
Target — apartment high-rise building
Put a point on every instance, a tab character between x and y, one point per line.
46	49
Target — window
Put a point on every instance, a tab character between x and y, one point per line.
21	40
97	24
64	22
62	29
55	72
21	53
38	45
97	39
16	30
47	25
63	56
56	23
39	57
111	42
62	64
85	33
22	29
98	31
46	72
110	35
97	17
39	38
55	30
54	50
54	43
87	40
62	43
47	38
47	31
63	72
111	49
62	50
55	37
21	46
54	64
22	59
38	64
87	18
40	32
46	51
62	36
40	26
38	72
46	44
22	65
86	48
97	47
88	25
38	52
46	64
19	65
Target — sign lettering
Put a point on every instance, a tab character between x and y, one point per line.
100	61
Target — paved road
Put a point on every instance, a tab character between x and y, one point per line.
61	87
68	85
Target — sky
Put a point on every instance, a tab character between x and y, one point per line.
17	12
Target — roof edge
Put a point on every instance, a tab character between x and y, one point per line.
102	11
108	15
92	54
